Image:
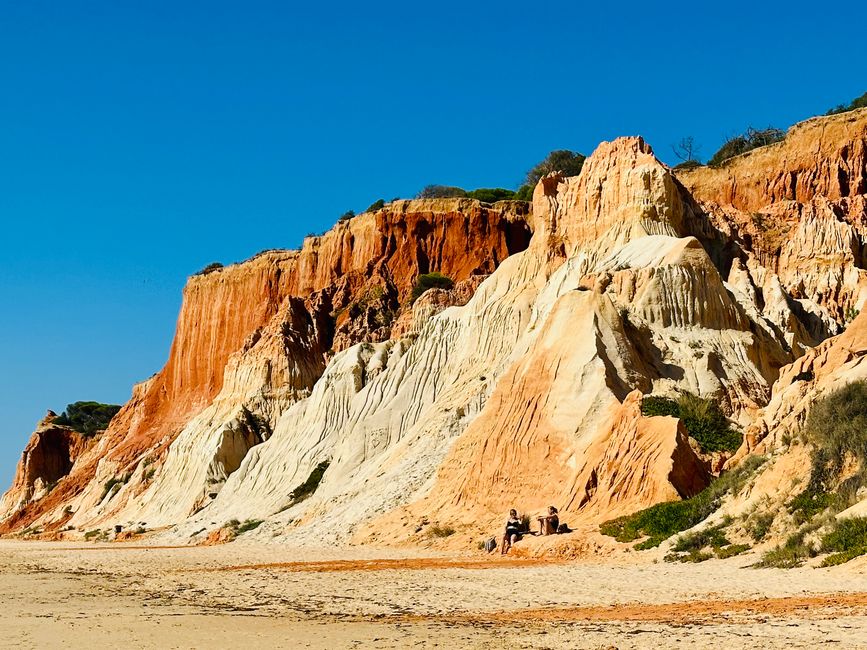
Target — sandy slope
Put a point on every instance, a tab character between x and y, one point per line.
274	596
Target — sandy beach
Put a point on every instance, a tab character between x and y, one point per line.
101	596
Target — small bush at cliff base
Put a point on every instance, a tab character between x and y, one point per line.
430	281
88	418
847	540
440	531
702	419
661	521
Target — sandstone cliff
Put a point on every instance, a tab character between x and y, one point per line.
521	385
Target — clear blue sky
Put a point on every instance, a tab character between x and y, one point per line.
141	141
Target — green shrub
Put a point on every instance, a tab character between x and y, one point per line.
441	192
210	268
561	160
731	550
793	553
247	525
427	281
687	164
739	144
308	487
346	216
379	204
702	419
837	428
659	522
88	418
110	483
847	540
858	102
713	536
491	195
759	525
525	193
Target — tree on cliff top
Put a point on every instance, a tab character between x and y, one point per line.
561	160
87	418
749	140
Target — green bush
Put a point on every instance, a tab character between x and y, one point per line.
346	216
88	418
858	102
687	164
847	540
491	195
308	487
561	160
110	483
659	522
759	525
739	144
837	428
379	204
702	419
441	192
248	525
793	553
434	280
210	268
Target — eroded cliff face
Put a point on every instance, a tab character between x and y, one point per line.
521	386
345	286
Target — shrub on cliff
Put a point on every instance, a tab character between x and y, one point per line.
703	420
433	280
87	418
561	160
739	144
210	268
663	520
858	102
491	194
441	192
379	204
346	216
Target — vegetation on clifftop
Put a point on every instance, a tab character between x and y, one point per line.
88	418
858	102
427	281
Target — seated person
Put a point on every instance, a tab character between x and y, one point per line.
548	524
513	530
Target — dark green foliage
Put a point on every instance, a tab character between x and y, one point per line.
731	550
524	193
561	160
858	102
249	524
759	525
110	483
308	487
491	194
652	405
88	418
687	164
739	144
663	520
837	428
346	216
441	192
210	268
379	204
712	536
434	280
702	418
847	540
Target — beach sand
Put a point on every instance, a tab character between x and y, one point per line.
263	596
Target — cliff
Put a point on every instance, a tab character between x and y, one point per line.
519	387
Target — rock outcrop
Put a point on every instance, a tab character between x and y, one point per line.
305	390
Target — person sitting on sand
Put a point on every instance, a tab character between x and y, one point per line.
548	524
513	530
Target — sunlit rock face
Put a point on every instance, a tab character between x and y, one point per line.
519	386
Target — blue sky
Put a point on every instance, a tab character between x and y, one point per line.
141	141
